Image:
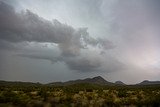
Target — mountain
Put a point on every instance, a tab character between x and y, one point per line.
119	83
94	80
147	82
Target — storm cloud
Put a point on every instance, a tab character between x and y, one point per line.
27	26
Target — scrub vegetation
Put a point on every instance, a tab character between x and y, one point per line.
78	95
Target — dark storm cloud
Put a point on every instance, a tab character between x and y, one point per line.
27	26
84	64
95	63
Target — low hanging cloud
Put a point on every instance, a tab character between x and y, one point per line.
25	26
84	64
81	63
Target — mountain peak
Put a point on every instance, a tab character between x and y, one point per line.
98	78
119	83
94	80
146	81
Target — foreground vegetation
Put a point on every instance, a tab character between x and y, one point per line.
77	95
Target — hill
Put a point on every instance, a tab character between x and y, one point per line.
95	80
119	83
147	82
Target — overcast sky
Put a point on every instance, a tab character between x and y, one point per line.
59	40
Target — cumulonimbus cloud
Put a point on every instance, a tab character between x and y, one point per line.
16	27
27	26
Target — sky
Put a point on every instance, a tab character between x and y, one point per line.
60	40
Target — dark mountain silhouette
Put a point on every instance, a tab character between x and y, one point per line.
94	80
119	83
147	82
